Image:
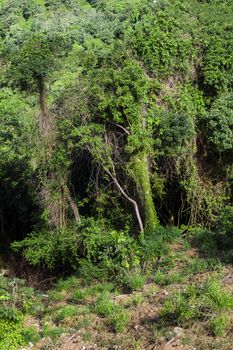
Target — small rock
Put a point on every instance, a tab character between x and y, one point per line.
178	331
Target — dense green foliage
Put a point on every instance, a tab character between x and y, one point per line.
116	120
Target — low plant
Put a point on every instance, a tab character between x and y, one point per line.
65	312
133	281
116	316
197	303
30	334
220	325
118	320
155	243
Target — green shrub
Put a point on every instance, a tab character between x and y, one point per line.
31	335
116	316
66	312
110	250
11	335
180	308
89	271
133	281
224	229
154	244
118	320
96	250
50	248
220	325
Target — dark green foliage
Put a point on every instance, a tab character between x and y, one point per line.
115	116
154	244
220	122
50	248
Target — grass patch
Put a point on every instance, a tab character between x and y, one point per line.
66	312
220	325
116	316
197	303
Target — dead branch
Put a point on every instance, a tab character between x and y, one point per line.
72	205
127	197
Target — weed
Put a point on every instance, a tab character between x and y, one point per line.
134	281
216	297
31	335
197	265
116	316
79	296
220	325
53	332
196	303
86	336
68	284
83	322
56	296
164	279
135	300
118	320
66	312
205	241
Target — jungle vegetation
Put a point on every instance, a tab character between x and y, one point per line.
116	129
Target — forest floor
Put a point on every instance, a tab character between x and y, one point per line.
185	303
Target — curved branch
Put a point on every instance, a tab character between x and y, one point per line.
121	127
128	198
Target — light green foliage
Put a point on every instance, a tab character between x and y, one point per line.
220	325
11	334
216	23
31	335
116	317
50	248
111	250
161	39
65	312
134	281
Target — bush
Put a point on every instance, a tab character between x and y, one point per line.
133	281
219	325
110	250
50	248
154	244
224	229
11	328
96	250
116	316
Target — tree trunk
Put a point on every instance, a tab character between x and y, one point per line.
141	175
55	195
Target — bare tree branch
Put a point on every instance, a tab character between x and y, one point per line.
121	127
128	198
72	205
